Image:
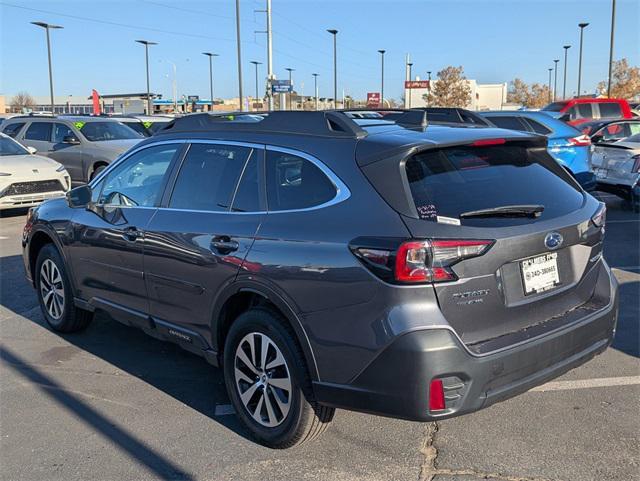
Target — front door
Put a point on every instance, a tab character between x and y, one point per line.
198	240
106	253
68	154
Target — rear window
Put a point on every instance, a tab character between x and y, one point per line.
555	106
610	109
449	182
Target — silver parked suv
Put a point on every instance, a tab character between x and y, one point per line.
84	145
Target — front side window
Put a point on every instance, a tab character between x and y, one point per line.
12	129
102	131
295	183
138	180
208	177
60	131
585	111
610	110
39	131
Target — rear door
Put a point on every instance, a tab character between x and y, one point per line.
37	135
537	268
198	240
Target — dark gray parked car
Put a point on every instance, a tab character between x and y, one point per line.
85	145
329	262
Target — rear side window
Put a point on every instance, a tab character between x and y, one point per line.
537	127
208	177
295	183
610	109
39	131
511	123
449	182
12	129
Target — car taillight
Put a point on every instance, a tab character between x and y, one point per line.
580	141
636	164
436	396
600	217
431	260
487	142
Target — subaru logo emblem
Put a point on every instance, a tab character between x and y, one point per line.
553	240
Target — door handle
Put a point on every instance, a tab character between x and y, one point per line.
131	233
224	244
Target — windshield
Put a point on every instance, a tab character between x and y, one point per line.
555	107
11	147
138	127
100	131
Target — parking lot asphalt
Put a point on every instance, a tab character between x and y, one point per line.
111	403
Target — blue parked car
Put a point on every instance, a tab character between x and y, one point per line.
567	145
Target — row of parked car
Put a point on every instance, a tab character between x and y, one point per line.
596	140
72	149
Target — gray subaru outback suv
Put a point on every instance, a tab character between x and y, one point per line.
85	145
391	267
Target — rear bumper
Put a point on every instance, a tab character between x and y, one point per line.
396	383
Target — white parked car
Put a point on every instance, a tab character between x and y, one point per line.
27	179
617	168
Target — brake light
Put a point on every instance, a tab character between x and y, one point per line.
436	395
580	141
486	142
431	261
636	164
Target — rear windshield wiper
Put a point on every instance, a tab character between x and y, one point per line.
506	211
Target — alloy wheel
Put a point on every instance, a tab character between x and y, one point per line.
262	379
52	289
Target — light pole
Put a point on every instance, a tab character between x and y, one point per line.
429	89
564	83
256	63
613	26
240	96
210	55
381	52
582	26
335	67
146	44
410	64
288	69
555	78
47	27
315	88
550	70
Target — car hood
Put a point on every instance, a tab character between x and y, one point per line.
116	147
18	164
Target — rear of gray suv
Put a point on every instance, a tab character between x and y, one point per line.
395	268
84	145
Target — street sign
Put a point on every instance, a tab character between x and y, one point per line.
373	99
416	84
281	86
193	98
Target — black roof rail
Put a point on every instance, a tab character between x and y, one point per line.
31	115
325	123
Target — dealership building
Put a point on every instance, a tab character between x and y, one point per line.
483	96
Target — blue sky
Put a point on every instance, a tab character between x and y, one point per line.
495	41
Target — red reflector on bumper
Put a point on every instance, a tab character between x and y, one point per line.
436	396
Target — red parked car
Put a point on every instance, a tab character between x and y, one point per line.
578	111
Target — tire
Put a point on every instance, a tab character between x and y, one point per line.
57	304
96	172
282	418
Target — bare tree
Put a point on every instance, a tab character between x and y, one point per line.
21	101
625	80
451	89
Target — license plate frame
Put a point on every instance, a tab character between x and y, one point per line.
534	282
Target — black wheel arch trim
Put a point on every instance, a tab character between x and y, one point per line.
50	232
284	306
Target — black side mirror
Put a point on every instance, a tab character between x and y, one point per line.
79	196
70	139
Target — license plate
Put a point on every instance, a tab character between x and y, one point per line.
540	273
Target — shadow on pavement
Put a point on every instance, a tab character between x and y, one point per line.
136	449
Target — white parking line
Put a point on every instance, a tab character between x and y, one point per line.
3	237
588	383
